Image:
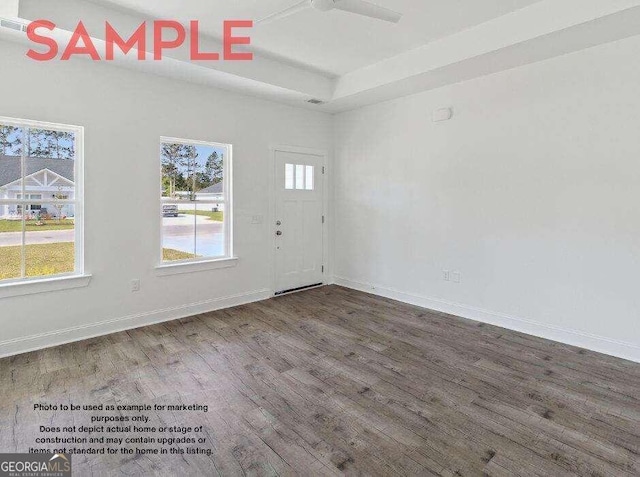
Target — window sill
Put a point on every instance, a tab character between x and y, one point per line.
44	285
193	267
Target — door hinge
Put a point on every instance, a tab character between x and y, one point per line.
323	219
322	268
323	169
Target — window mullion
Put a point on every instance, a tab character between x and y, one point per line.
195	230
226	184
23	247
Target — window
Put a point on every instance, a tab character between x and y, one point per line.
30	207
298	177
195	201
40	200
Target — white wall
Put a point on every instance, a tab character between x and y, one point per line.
532	192
124	114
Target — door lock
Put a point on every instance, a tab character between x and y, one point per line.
279	232
278	223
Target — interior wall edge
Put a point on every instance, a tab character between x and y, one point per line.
93	330
600	344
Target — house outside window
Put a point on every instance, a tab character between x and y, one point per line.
40	200
195	201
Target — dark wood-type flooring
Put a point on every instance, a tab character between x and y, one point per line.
333	381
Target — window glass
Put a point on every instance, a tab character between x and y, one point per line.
178	231
289	178
194	200
38	199
309	178
299	176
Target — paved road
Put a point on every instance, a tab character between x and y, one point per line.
186	234
178	234
10	239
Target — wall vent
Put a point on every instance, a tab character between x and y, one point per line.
13	25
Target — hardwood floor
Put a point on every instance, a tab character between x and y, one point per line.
333	381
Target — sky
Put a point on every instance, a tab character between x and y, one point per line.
205	151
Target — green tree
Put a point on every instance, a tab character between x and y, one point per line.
166	185
214	167
38	142
9	140
181	182
59	144
173	158
193	169
51	144
203	180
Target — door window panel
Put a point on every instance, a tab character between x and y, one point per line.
299	177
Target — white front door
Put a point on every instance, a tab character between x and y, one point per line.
299	220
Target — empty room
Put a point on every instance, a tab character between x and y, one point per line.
319	237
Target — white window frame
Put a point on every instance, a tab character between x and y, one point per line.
77	278
202	263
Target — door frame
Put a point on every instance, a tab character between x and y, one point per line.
323	154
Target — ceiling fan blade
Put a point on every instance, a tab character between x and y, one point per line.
367	9
298	7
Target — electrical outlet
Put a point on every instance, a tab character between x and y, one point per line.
456	277
446	275
135	286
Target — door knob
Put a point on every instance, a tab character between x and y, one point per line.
279	232
278	223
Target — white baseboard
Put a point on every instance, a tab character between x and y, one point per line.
78	333
592	342
580	339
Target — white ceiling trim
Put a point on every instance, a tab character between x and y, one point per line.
543	30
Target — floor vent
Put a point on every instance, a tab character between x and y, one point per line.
283	292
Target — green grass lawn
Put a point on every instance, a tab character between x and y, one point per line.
215	216
53	259
16	225
41	260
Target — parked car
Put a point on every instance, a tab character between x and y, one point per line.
170	210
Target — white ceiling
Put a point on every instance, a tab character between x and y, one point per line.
352	61
333	42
